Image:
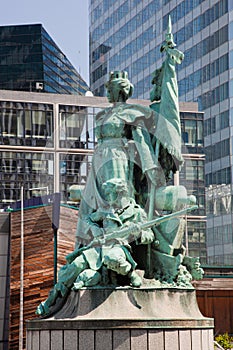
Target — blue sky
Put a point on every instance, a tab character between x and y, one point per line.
65	20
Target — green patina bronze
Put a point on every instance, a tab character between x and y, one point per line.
130	228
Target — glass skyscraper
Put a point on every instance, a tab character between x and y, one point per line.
31	61
127	35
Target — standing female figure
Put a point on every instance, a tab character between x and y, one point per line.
123	151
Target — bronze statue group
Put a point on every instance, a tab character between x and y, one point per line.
130	227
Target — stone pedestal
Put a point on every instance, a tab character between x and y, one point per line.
124	319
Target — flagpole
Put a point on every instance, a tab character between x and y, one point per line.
151	211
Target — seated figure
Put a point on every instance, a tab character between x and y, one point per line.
113	228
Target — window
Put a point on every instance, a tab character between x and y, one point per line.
215	96
9	123
23	121
196	231
39	166
76	127
38	124
224	120
34	169
75	168
190	131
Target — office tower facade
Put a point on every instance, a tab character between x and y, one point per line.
31	61
128	35
45	144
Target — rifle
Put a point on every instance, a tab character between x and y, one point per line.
128	230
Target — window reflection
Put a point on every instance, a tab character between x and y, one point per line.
27	168
74	169
24	123
218	200
77	127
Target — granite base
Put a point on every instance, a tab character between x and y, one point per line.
124	319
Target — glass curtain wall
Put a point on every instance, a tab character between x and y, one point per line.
27	169
26	124
31	127
192	176
31	61
76	131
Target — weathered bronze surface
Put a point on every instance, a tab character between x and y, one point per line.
138	149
